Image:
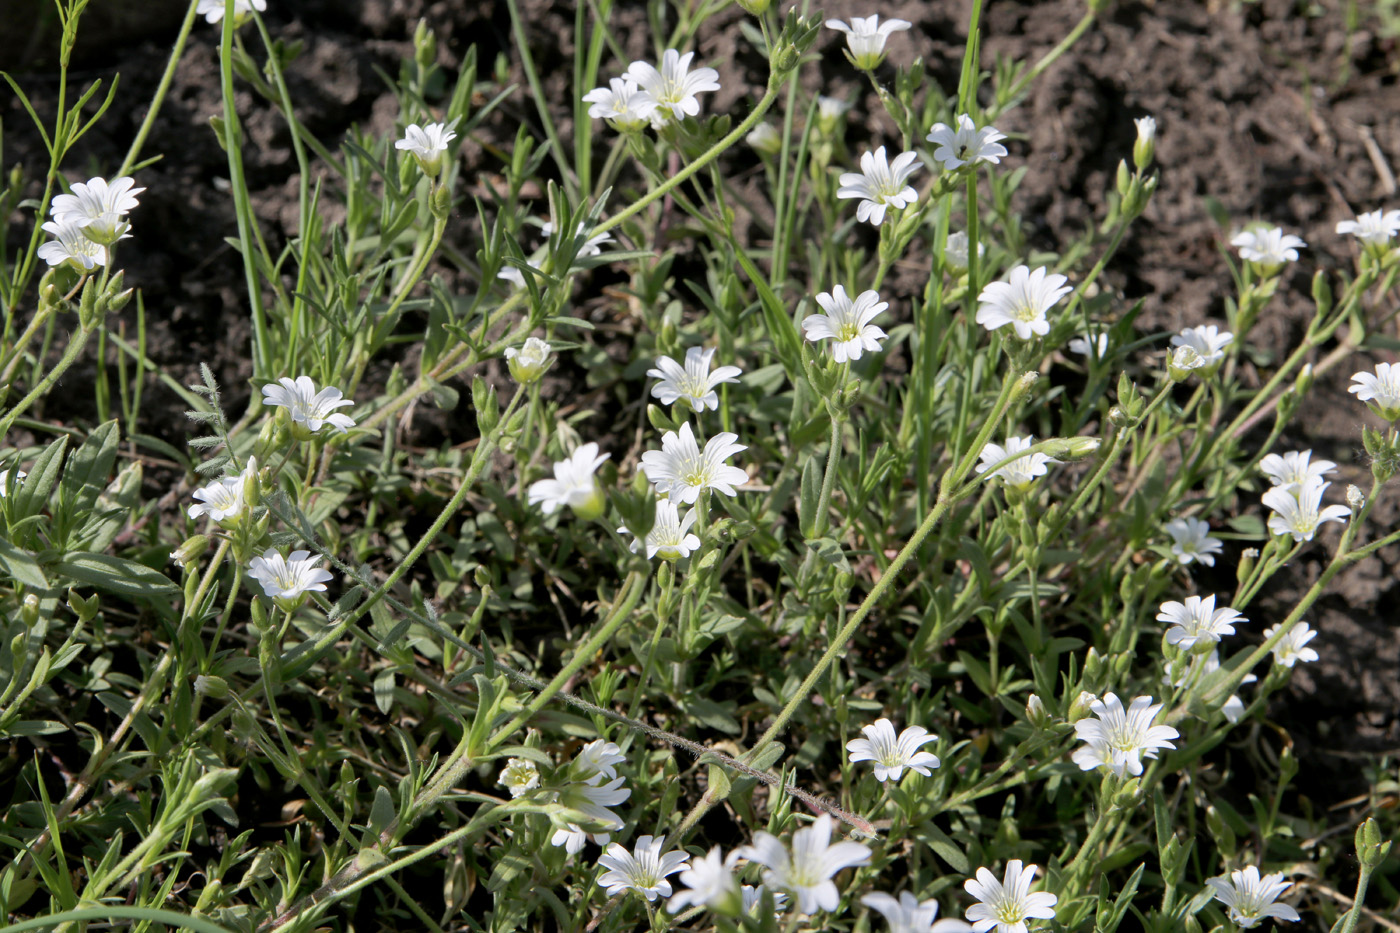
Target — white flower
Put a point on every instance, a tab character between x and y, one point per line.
309	409
1251	898
213	10
764	139
753	896
1267	247
593	800
1207	340
513	275
519	776
966	145
1022	301
592	246
225	497
1191	540
1009	903
709	882
806	874
692	382
1301	515
955	252
5	481
1292	648
596	760
865	37
670	92
1233	708
1093	345
428	145
1146	129
643	870
288	580
1021	472
1373	228
680	470
670	537
892	755
1183	361
528	363
908	915
1292	470
830	110
573	484
1381	387
1355	498
619	103
846	323
70	245
1197	622
1121	740
98	208
880	184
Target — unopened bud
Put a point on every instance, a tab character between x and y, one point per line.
1072	448
190	551
1081	707
1036	714
29	610
211	685
1246	565
1023	385
440	202
1146	145
1356	499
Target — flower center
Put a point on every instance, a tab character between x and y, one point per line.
1009	911
847	331
693	472
1026	312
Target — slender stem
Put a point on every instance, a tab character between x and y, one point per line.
70	355
162	89
833	455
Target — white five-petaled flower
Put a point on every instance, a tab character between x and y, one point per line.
866	36
1207	340
1191	541
1006	905
528	363
213	10
5	481
619	103
1196	623
1251	898
288	579
1021	472
643	870
909	915
592	799
765	139
680	470
709	882
1267	247
592	246
427	144
966	145
807	871
846	323
1291	470
1092	345
1374	228
1292	647
70	245
1381	389
892	755
1022	301
519	776
670	537
225	497
308	408
670	92
573	484
880	184
693	382
598	758
1119	739
98	207
955	252
1302	514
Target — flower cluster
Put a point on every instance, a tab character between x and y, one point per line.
592	786
88	222
1296	496
647	94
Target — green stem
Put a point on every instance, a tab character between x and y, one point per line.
162	89
70	355
833	455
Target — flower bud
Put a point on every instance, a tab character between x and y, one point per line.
1146	144
29	610
528	363
211	685
424	45
755	7
1356	499
1081	706
1370	850
190	551
830	110
1246	565
1036	714
440	202
1023	385
1183	362
84	609
765	140
1072	448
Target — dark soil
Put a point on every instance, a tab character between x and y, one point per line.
1273	114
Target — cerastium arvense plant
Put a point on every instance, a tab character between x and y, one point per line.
819	563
